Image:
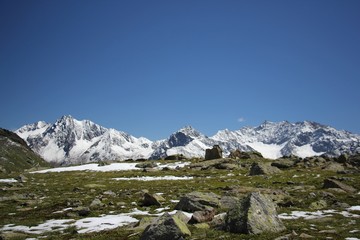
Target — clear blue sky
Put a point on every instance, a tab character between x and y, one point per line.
151	67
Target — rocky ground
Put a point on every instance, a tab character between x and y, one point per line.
243	197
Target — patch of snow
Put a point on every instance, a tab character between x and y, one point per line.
8	180
271	151
352	238
317	214
306	151
174	201
148	178
354	208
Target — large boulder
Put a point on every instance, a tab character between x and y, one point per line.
253	214
166	227
263	169
198	201
214	153
332	183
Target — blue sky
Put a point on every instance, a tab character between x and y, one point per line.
151	67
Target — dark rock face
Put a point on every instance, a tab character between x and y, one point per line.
152	200
263	169
214	153
253	215
332	183
197	201
166	227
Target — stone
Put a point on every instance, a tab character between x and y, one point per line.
218	221
82	211
96	203
152	200
263	169
182	216
151	164
198	201
144	223
283	163
166	227
237	154
175	157
202	216
254	214
332	183
334	167
304	235
21	178
321	204
214	153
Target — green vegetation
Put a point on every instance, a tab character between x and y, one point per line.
296	188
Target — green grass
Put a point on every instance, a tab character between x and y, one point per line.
34	201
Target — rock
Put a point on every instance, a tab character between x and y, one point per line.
334	167
237	154
21	178
253	214
110	193
342	158
152	200
175	157
218	221
103	163
283	163
197	201
222	163
202	216
182	216
263	169
304	235
332	183
354	160
214	153
144	165
321	204
166	227
228	202
96	203
202	226
82	211
144	223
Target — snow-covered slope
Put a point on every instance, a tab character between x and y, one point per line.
71	141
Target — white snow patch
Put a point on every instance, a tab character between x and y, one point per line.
354	208
148	178
271	151
110	167
8	180
306	151
352	238
317	214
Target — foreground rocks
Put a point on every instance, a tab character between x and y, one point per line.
197	201
166	227
253	215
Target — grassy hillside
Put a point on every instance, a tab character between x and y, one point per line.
15	155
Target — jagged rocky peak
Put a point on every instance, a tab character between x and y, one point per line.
183	137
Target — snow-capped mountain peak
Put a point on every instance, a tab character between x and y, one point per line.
72	141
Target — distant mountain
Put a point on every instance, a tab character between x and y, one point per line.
16	155
71	141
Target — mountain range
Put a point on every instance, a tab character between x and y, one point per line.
70	141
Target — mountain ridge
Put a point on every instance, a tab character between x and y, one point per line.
70	141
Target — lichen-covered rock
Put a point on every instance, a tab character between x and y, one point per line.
198	201
253	214
202	216
166	227
237	154
332	183
263	169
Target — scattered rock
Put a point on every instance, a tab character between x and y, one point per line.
151	164
304	236
144	223
175	157
198	201
166	227
181	215
82	211
96	203
334	167
263	169
342	158
202	216
332	183
253	214
152	200
21	178
283	163
237	154
222	163
218	221
214	153
321	204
